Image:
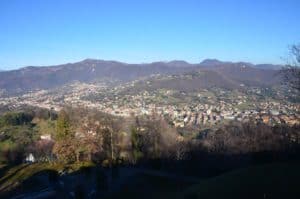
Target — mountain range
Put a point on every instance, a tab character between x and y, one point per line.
214	73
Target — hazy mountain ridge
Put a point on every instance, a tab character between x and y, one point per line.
90	70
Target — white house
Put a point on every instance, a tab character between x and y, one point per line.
46	137
30	158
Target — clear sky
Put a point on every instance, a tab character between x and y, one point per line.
46	32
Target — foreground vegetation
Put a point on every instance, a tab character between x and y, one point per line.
78	134
115	155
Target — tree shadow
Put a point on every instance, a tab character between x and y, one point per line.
148	177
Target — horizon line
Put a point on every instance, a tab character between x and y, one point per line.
137	63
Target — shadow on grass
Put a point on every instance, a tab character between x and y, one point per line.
7	168
158	178
48	183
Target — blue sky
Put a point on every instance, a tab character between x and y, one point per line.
46	32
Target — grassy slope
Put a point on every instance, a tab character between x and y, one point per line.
16	175
268	181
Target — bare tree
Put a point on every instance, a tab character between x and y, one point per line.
90	141
158	138
112	127
291	72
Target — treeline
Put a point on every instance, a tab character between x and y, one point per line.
14	119
79	134
251	137
85	135
19	130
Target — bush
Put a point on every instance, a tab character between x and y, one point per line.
14	119
105	163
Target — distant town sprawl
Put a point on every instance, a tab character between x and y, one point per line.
202	108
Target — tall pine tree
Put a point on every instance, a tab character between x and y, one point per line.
63	126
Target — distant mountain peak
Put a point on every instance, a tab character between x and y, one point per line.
88	60
178	63
99	61
211	62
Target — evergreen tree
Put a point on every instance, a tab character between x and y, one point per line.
136	145
64	147
63	126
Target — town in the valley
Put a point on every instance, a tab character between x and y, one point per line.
202	108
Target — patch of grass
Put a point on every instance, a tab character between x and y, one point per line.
245	106
268	181
7	144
